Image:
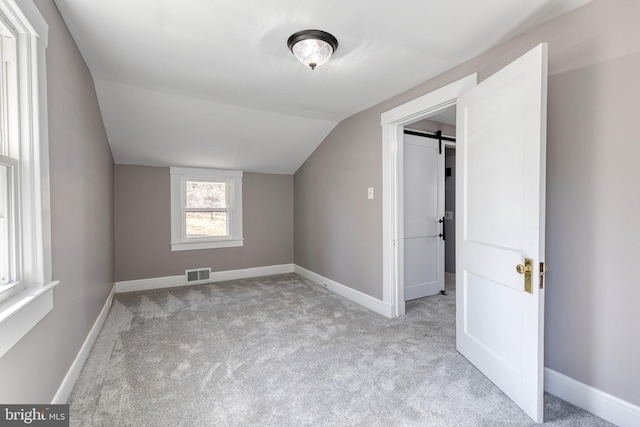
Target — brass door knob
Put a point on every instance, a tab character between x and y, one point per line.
527	270
523	269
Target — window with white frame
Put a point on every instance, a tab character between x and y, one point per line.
9	165
206	208
26	285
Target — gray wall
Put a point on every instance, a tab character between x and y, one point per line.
593	206
592	192
338	231
82	225
143	226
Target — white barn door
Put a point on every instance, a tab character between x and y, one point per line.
423	212
500	194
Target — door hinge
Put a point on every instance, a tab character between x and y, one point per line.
543	269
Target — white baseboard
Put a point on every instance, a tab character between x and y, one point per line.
358	297
216	276
450	276
604	405
64	391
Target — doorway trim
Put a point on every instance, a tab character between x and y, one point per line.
393	122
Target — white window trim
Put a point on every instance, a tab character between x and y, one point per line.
178	240
20	313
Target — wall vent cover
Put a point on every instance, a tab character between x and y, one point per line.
198	275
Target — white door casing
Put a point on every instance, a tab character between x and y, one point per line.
500	198
423	211
393	122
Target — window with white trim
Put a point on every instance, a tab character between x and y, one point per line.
9	166
26	285
206	208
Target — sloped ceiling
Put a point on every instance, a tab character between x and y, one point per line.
211	83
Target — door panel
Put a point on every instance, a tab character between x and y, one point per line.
423	208
500	194
482	321
493	160
421	278
421	166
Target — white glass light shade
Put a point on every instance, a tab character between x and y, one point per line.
312	47
312	52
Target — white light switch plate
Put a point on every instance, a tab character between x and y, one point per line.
370	193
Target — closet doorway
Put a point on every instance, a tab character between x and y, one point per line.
429	205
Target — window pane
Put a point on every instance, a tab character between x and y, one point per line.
204	195
5	222
206	224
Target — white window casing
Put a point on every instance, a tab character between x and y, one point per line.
23	310
233	180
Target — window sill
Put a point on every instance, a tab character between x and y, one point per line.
9	290
20	313
189	246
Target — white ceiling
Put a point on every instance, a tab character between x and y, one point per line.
211	83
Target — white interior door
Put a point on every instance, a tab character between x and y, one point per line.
423	209
500	195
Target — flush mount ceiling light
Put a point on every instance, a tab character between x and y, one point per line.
312	47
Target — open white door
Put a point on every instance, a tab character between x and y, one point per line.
500	197
423	217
